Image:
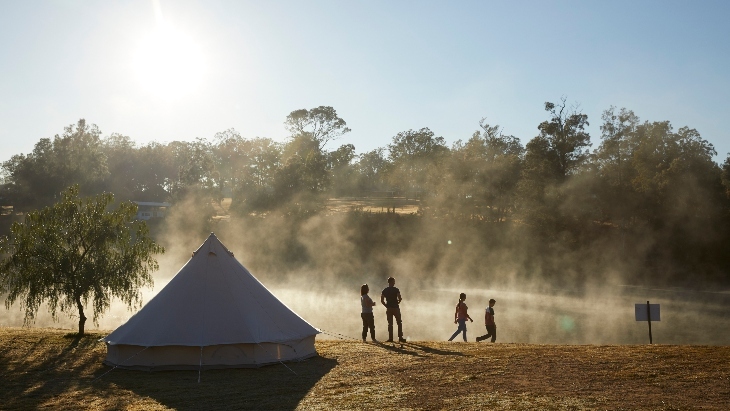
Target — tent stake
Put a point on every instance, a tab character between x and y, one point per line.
200	367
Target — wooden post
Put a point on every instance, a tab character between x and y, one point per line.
648	313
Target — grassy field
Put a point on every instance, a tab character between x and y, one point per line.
53	369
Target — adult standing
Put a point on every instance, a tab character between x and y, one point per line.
391	298
489	323
368	320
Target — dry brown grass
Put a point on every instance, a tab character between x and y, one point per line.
52	369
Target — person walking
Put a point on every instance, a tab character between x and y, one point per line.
391	298
460	316
368	320
489	323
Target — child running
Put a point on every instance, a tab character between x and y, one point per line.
489	323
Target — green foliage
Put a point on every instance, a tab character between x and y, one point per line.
247	169
417	158
648	192
372	171
551	159
303	172
342	171
74	253
321	124
566	138
484	174
75	157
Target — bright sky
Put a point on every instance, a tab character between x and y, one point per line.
177	70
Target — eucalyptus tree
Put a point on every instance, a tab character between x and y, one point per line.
254	164
304	175
321	124
122	162
551	158
680	197
566	136
418	160
675	174
372	171
614	161
74	157
155	173
342	170
485	170
75	253
726	176
304	170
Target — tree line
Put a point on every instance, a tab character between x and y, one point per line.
643	186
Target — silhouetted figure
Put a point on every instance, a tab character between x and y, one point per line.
489	323
460	316
368	320
390	298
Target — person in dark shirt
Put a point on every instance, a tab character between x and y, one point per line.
489	323
390	298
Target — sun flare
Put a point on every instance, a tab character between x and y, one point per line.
169	64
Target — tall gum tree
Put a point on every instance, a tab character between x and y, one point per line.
75	157
75	253
321	124
485	171
417	158
566	136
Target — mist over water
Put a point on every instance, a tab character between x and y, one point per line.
603	317
316	266
521	317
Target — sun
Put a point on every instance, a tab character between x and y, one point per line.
169	64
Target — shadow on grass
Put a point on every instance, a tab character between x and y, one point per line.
399	348
273	387
36	370
60	372
75	339
435	351
410	348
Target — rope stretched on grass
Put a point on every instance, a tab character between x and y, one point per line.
346	337
280	362
337	335
115	367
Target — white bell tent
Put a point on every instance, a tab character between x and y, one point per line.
212	314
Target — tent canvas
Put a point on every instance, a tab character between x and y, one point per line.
212	314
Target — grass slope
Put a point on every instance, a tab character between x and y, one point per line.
52	369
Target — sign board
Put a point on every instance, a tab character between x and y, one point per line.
643	315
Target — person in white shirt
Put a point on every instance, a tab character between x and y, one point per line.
368	320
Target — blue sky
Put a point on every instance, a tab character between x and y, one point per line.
385	66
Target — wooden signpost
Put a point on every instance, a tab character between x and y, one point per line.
647	312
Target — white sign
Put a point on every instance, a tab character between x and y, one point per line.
643	315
